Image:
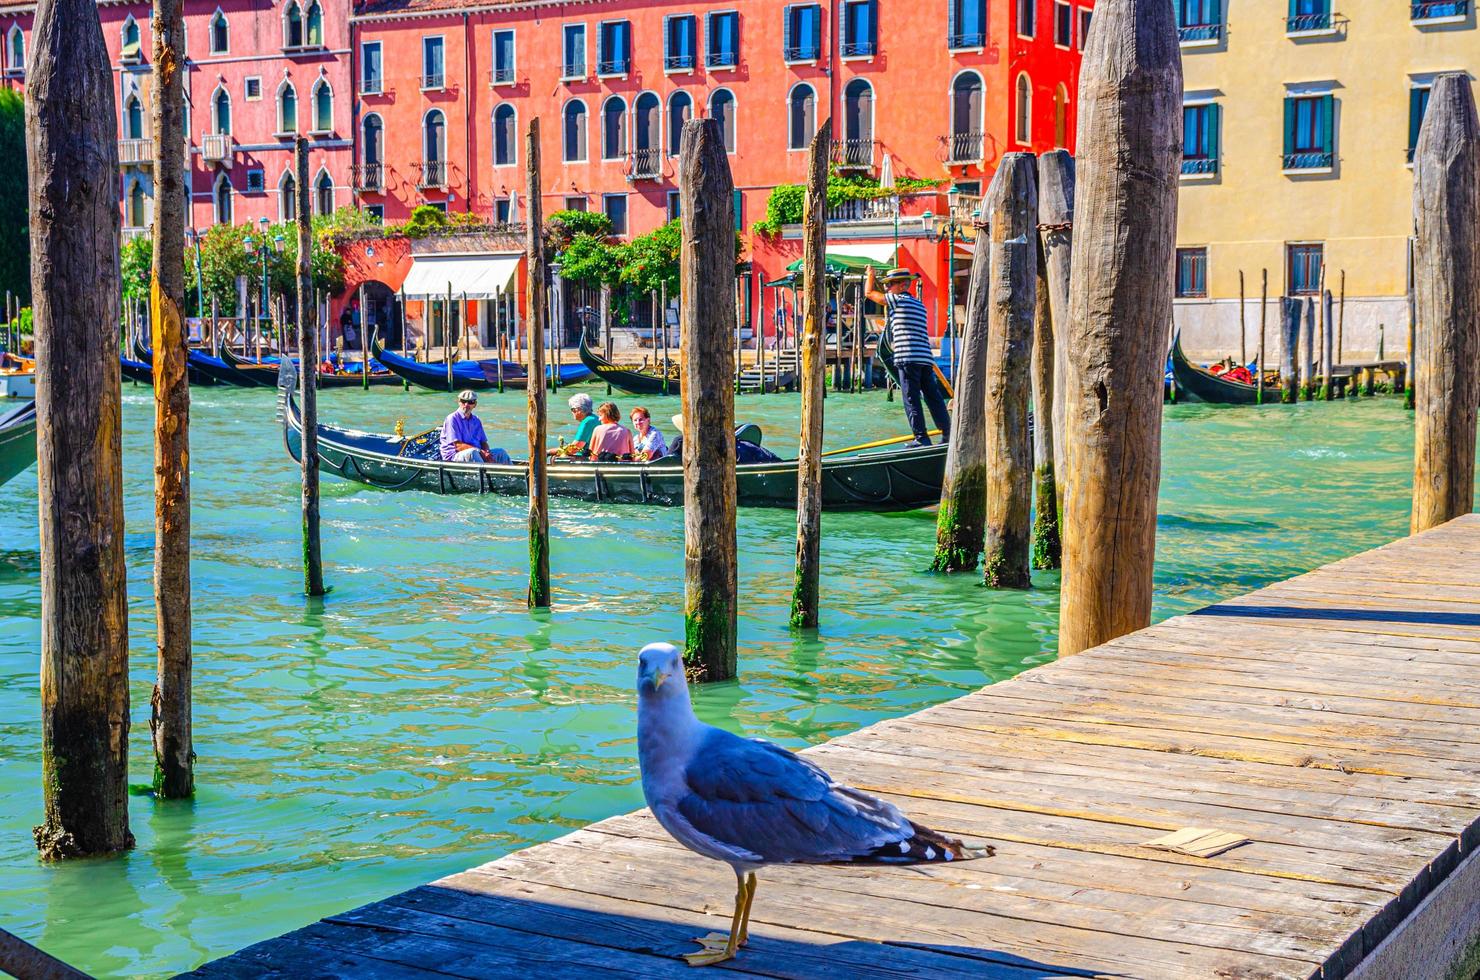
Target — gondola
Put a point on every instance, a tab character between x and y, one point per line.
196	374
265	374
630	380
17	440
477	375
1206	386
888	479
136	371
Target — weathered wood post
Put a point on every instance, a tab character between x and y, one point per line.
1129	140
1047	548
961	522
539	477
1446	277
308	360
1243	333
1011	205
72	163
1406	381
1263	325
364	341
1056	230
1341	318
706	265
1328	326
1290	309
169	717
806	594
1308	348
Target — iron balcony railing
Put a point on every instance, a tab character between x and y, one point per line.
964	147
1308	160
646	164
1308	22
432	80
1200	165
136	152
368	176
722	58
431	173
216	147
678	62
967	39
1437	9
854	153
573	70
613	66
800	52
859	49
371	86
1199	32
503	75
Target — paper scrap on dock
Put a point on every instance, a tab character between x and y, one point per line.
1198	842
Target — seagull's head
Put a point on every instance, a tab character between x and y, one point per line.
660	672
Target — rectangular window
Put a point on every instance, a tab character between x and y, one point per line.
1418	103
1310	142
674	210
503	57
501	210
574	64
253	86
433	65
1307	16
574	204
860	28
1192	272
614	206
1200	138
966	24
1027	18
1063	25
680	42
1303	264
724	39
1199	21
801	32
376	211
1085	13
614	48
256	182
439	205
371	72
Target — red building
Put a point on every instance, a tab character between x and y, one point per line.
941	90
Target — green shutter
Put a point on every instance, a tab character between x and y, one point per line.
1294	9
1215	11
739	210
1289	125
1212	121
1415	116
1328	123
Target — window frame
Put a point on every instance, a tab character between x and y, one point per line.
316	207
1305	249
673	204
286	213
514	135
223	178
671	147
1320	156
496	78
1211	135
849	47
219	17
601	61
216	96
1063	9
670	67
364	140
286	87
426	76
322	85
569	202
730	134
11	37
1022	120
806	139
1030	8
791	52
295	8
1196	257
1418	106
585	133
959	40
626	212
256	181
566	30
1086	17
623	137
379	79
710	57
247	84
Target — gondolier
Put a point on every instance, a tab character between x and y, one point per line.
909	338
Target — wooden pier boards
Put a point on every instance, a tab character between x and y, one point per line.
1446	275
1330	719
1129	159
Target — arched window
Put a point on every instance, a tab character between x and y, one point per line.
137	211
323	193
801	116
613	128
323	107
505	136
434	136
680	111
221	111
1024	129
647	136
292	25
222	199
371	147
287	197
1060	117
287	108
967	128
574	140
858	124
133	114
722	109
15	49
314	25
220	33
130	37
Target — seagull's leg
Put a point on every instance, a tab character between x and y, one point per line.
750	884
717	947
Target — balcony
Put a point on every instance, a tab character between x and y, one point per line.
1309	23
854	154
431	174
964	148
1439	11
216	148
1199	166
502	75
646	164
130	233
966	40
678	62
1310	161
859	49
613	66
721	59
368	177
966	209
136	153
1200	34
865	209
372	86
433	81
800	52
573	71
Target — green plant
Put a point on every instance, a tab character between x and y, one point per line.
423	221
136	259
591	260
15	220
788	201
563	227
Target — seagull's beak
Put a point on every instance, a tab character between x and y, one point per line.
658	678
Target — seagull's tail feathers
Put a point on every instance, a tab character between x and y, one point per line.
923	846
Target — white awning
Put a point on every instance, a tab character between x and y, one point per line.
474	276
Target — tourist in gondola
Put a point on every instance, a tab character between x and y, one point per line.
914	360
745	450
463	439
610	440
648	443
579	446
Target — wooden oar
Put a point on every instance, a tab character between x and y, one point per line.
896	440
950	392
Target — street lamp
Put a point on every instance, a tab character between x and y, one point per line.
193	237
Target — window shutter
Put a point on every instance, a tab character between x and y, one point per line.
1289	125
786	39
1328	123
953	26
626	45
873	24
1214	123
1294	8
1215	11
739	200
816	39
1415	115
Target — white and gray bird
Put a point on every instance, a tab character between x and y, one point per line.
750	803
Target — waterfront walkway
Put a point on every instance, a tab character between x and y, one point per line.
1333	720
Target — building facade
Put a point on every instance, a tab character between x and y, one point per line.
1298	140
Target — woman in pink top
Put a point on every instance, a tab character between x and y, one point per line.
611	441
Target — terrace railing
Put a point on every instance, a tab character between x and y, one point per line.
967	39
431	173
859	49
964	147
368	176
800	52
216	148
865	209
1439	9
613	66
1200	165
854	153
136	152
721	58
645	164
372	86
433	80
1303	23
679	62
1317	160
503	75
1193	33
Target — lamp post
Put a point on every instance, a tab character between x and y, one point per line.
194	237
950	231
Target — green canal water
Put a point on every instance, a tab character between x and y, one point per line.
421	720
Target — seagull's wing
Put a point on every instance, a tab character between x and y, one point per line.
752	795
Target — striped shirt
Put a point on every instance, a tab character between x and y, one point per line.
908	334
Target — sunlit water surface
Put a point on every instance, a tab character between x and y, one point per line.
421	720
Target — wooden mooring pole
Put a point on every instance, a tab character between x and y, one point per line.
1446	278
72	165
1308	348
1263	327
169	717
1129	139
806	594
308	360
706	266
1047	547
1290	310
539	478
1328	328
1056	230
1012	209
1243	332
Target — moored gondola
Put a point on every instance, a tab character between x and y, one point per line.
631	380
1206	386
196	374
17	440
135	371
477	375
265	373
891	478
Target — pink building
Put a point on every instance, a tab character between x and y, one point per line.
259	74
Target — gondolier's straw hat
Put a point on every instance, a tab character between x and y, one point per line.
898	275
677	423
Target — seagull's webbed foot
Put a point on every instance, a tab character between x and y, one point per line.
718	947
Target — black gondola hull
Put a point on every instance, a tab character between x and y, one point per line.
1208	387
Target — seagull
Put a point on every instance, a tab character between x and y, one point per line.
750	803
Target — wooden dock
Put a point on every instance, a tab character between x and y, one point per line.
1333	719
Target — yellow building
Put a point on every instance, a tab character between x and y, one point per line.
1300	123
